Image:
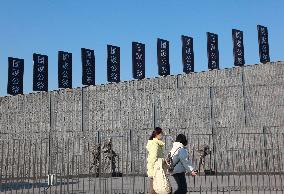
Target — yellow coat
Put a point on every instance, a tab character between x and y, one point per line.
155	150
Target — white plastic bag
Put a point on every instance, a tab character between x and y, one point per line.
161	183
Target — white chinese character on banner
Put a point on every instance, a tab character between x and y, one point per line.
40	77
40	85
139	47
15	89
89	71
40	68
40	59
139	73
88	62
163	45
114	76
15	63
112	50
188	50
138	56
240	60
139	64
164	70
239	43
163	53
113	68
65	56
65	82
15	72
113	59
65	65
188	41
238	33
212	47
15	81
65	74
89	54
213	38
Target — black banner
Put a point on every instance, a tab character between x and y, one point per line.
238	47
212	51
138	60
163	57
263	44
88	65
113	63
40	72
64	69
187	54
15	76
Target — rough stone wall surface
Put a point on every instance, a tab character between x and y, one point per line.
250	96
230	109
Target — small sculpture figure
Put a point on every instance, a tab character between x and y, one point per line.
203	151
110	157
96	152
104	158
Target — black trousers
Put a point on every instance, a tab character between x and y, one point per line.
181	183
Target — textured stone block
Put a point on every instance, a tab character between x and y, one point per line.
264	105
227	106
263	74
214	78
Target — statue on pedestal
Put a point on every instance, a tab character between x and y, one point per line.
203	151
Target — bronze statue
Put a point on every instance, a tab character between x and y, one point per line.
203	151
104	158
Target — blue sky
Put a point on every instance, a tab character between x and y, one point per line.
47	26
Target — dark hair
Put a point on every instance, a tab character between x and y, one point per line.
156	132
182	139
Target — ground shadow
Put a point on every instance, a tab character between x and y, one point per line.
29	185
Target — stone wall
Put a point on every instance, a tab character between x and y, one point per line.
226	109
249	97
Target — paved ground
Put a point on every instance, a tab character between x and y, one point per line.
139	185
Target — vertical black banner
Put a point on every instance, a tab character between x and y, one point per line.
64	69
212	51
187	54
113	63
15	76
238	47
263	44
163	57
138	60
40	72
88	65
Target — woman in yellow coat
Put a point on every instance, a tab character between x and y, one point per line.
155	148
